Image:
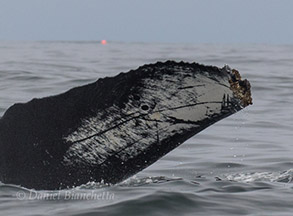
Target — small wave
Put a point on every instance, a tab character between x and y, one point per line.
156	203
285	176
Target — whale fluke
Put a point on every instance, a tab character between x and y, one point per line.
113	128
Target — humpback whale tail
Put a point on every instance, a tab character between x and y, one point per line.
113	128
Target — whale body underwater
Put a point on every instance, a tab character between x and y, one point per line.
113	128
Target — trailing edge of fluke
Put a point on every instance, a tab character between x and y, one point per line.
113	128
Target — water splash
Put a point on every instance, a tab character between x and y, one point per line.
136	181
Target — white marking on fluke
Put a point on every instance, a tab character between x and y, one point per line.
172	100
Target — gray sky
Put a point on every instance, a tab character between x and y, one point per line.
179	21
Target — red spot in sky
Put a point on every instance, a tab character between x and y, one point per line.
103	42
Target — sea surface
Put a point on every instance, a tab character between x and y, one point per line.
242	165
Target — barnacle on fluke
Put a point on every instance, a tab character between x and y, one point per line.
240	88
113	128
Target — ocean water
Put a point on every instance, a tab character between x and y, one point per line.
242	165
